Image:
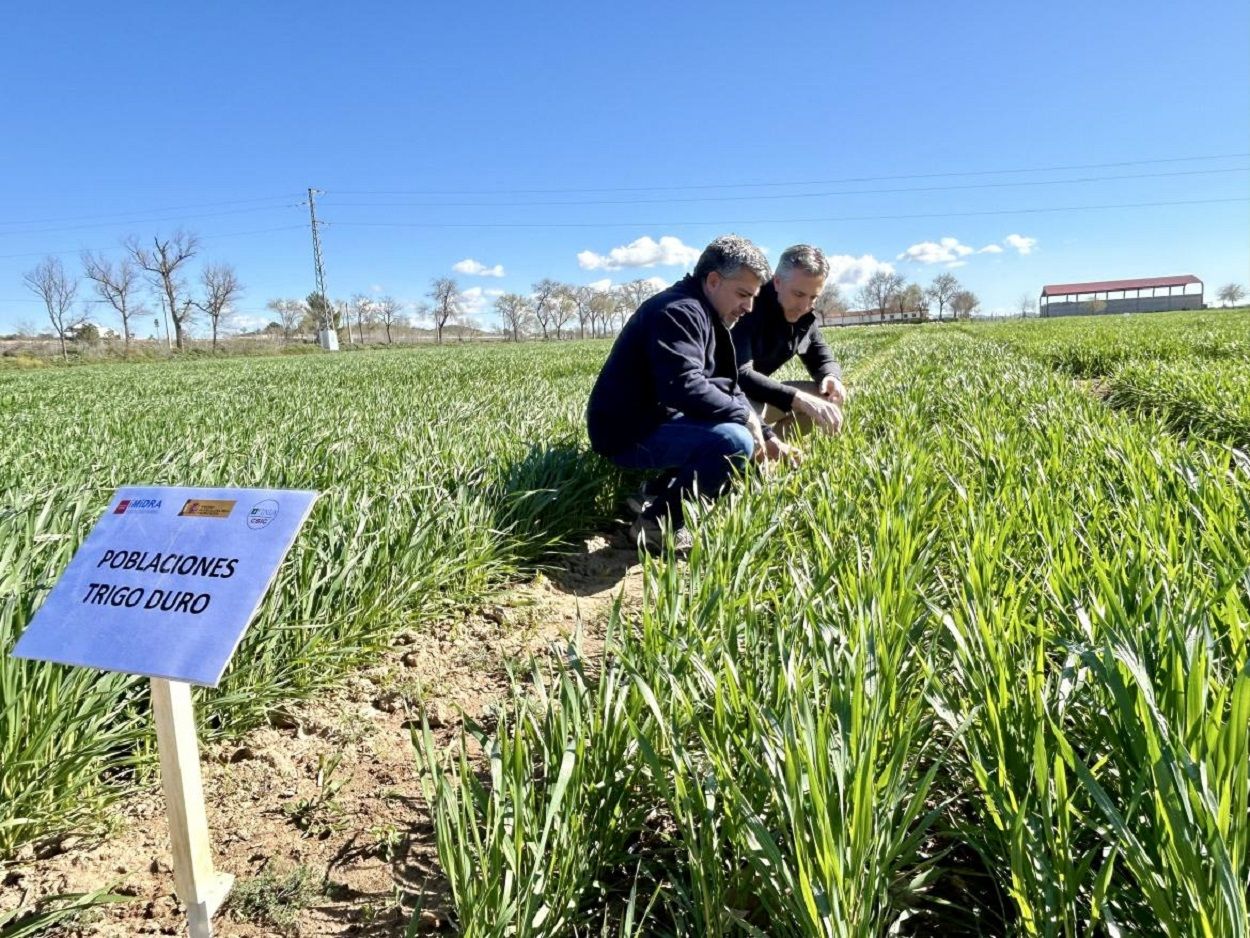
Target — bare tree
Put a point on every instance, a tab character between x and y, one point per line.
515	312
623	305
289	313
387	309
602	308
830	306
543	298
221	289
362	307
910	299
161	263
964	303
446	297
49	282
1231	294
464	327
638	292
944	287
116	286
584	298
563	306
878	291
1025	304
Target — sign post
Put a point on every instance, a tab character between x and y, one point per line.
201	889
165	586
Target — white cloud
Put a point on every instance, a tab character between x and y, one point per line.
991	249
669	251
848	271
472	301
1020	243
477	300
477	268
468	266
601	286
946	251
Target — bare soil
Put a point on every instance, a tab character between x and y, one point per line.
357	833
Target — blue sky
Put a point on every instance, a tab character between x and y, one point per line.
581	142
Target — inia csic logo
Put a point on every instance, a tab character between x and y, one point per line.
262	513
148	505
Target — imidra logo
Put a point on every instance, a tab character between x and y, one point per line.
137	504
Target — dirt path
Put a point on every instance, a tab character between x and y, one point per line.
320	847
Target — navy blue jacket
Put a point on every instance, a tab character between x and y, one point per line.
765	341
673	357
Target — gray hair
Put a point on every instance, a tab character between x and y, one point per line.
728	254
805	257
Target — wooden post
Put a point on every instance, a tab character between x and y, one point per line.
201	889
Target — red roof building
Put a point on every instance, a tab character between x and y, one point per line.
1142	295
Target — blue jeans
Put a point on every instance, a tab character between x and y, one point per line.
694	453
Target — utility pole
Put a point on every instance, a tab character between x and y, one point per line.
165	312
329	338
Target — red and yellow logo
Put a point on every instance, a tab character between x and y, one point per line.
207	508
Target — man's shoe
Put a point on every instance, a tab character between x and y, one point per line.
648	492
683	540
639	501
650	534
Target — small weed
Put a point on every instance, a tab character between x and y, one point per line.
387	840
275	899
317	816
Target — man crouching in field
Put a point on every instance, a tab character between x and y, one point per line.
668	396
782	326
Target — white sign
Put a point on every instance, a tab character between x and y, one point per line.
167	581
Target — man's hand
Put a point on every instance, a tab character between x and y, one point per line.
775	449
832	389
824	414
757	434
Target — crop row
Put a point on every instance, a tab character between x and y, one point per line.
979	666
1093	347
1205	398
441	475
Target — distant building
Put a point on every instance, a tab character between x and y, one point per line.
1146	295
871	317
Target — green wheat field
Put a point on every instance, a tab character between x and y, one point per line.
978	666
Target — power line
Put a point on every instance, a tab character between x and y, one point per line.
779	221
794	195
227	234
147	221
809	182
148	211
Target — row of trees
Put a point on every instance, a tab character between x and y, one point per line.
557	310
553	306
888	293
160	267
552	310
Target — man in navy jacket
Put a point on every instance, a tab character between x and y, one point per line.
668	396
782	326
